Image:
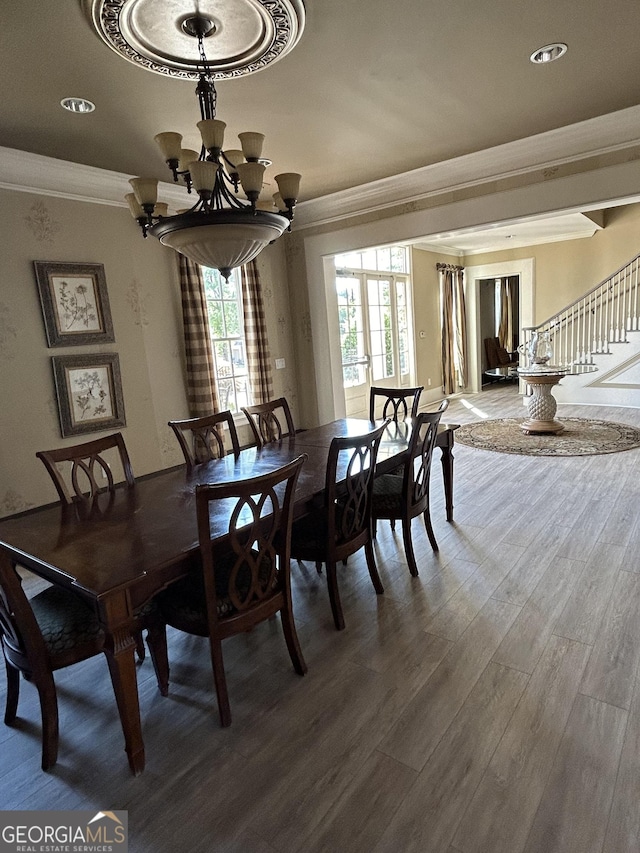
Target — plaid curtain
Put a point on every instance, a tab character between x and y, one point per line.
201	384
454	328
255	330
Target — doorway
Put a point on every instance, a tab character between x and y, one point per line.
524	270
499	318
375	326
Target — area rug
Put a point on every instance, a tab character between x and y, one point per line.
580	437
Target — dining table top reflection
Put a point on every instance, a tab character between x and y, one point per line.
125	546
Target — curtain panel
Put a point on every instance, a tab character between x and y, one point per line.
202	393
255	331
454	328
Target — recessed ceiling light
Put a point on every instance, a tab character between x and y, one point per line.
548	53
77	105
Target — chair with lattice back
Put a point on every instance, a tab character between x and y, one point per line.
404	498
270	421
342	525
245	576
397	403
203	439
82	473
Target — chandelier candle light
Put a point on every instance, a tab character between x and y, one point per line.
221	230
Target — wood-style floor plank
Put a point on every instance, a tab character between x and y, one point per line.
431	711
431	811
528	636
623	830
616	654
361	815
500	815
572	817
583	612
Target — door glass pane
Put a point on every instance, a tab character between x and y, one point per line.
351	330
403	327
369	260
398	259
379	297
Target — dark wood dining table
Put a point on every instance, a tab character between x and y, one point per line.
126	546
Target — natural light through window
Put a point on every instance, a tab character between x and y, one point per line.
226	325
373	296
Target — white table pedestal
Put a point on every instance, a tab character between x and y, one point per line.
542	404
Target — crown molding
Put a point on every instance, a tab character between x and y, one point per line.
607	134
33	173
23	171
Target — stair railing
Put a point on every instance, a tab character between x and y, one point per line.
600	317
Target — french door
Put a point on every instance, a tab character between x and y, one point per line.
375	338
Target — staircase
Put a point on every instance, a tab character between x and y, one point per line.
602	328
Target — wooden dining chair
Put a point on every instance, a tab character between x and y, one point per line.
54	629
397	403
82	473
270	421
404	498
203	439
244	579
342	525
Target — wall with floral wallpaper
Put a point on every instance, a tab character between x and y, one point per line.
145	306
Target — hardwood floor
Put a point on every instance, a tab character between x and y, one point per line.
490	704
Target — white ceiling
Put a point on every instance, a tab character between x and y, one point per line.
372	90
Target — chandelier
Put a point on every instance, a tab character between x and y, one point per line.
222	229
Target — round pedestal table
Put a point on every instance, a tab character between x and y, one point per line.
542	405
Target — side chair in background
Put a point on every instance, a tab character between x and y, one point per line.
82	473
342	525
403	498
270	421
397	403
203	439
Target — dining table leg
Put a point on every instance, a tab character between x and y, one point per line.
120	652
447	476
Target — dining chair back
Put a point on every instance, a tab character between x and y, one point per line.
90	470
245	578
83	472
270	421
343	525
203	439
397	403
54	629
403	498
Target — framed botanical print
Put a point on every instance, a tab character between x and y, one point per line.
89	390
75	303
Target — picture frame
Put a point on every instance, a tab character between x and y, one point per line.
89	392
75	303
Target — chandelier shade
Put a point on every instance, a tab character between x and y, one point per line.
224	239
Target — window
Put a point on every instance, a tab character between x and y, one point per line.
226	326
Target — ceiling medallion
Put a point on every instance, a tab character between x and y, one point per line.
246	36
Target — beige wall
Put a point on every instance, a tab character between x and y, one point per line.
564	271
426	313
145	306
